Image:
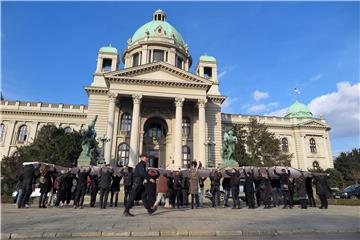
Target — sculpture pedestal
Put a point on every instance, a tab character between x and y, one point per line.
83	159
229	163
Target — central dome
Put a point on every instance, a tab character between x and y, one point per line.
158	27
298	110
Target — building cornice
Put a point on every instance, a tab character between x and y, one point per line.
217	99
156	66
44	113
96	90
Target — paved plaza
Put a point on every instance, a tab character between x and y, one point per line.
93	222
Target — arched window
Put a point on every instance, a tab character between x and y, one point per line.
123	154
2	131
68	130
125	124
312	145
284	145
186	155
156	130
186	126
22	134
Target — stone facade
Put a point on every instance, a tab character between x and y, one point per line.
155	105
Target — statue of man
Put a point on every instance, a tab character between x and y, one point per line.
229	142
89	137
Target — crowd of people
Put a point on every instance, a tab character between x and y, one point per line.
173	189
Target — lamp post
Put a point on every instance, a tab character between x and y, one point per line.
210	162
103	140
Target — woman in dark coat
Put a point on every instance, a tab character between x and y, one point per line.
322	190
249	188
150	187
301	187
115	189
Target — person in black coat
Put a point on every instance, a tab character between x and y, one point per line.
226	187
94	188
115	189
185	191
106	173
28	182
81	187
178	178
285	186
249	188
128	176
265	188
309	191
301	188
322	190
234	186
149	192
45	181
140	174
215	178
60	186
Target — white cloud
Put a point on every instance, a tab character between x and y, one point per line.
258	95
222	74
262	107
340	109
226	107
316	77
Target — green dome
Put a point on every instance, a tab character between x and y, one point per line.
298	110
151	28
108	49
207	58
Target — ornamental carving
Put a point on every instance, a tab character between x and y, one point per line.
201	103
179	102
112	96
137	98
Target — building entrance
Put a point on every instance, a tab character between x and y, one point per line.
153	158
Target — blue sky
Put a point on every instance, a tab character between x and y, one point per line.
264	50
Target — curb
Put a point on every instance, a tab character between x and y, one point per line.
182	233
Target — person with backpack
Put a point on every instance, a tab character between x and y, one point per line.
127	174
45	181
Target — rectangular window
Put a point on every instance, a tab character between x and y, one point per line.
106	66
158	55
136	58
179	62
207	72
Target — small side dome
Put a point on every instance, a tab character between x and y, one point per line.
207	58
108	49
298	110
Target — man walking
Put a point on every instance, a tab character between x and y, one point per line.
140	174
104	185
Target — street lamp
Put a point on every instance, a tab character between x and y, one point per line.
103	140
210	143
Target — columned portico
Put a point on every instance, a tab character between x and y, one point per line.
110	127
134	136
178	133
202	134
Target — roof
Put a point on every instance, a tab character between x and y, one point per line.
298	110
108	49
207	58
151	28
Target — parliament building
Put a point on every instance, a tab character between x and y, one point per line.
156	105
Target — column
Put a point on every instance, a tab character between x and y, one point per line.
110	127
9	135
33	130
178	133
202	133
134	136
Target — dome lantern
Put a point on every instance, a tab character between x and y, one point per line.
159	15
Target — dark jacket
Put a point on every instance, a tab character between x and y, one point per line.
322	186
140	173
28	177
215	178
249	182
234	178
177	181
301	186
128	178
82	179
308	184
115	185
284	178
45	182
105	178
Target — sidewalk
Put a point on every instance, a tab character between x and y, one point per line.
94	222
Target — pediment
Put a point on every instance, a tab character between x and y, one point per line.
158	71
314	123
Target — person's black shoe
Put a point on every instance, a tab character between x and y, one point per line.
43	206
239	207
321	207
152	210
127	214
